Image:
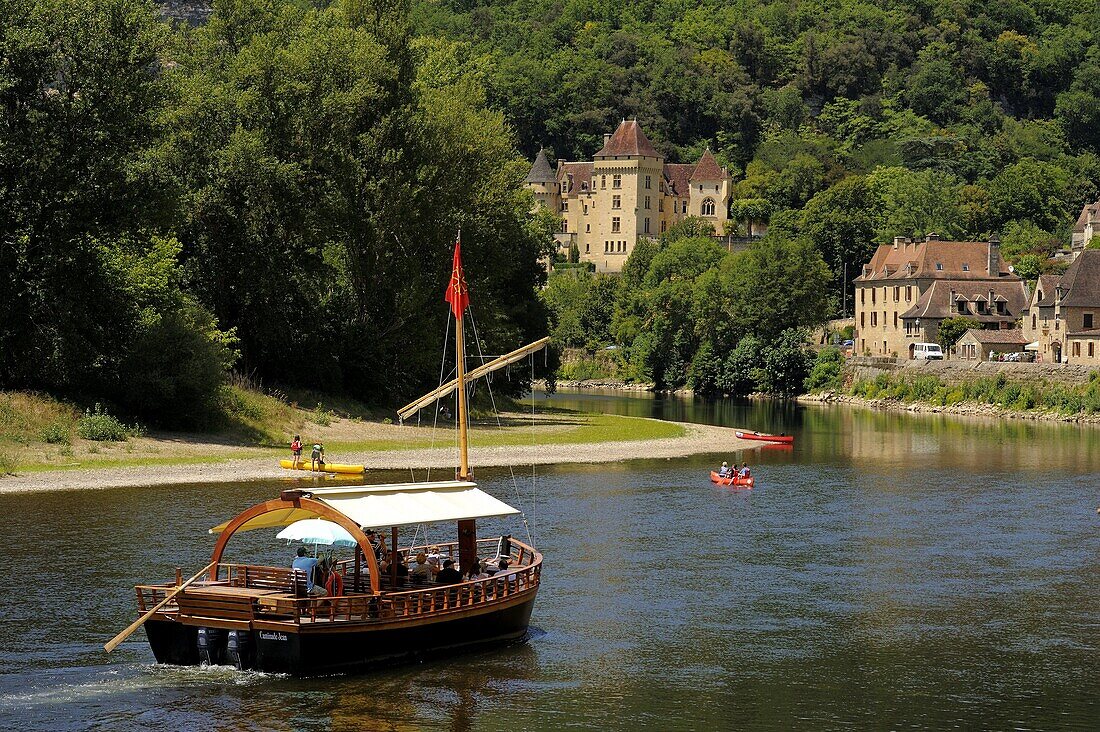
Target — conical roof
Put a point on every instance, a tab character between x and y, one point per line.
541	172
628	140
708	169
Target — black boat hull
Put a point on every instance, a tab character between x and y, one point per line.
333	649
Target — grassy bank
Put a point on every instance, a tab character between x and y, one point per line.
38	432
1081	400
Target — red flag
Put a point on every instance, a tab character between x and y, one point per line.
457	294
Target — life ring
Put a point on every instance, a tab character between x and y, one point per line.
334	585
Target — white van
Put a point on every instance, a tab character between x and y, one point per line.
927	352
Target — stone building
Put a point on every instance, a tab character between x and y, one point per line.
1064	316
627	191
908	288
1086	227
976	345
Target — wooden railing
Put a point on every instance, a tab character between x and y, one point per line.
291	605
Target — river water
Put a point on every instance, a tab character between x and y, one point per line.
891	571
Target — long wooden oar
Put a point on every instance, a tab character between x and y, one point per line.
111	644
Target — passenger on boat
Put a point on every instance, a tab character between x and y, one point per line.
421	573
435	560
744	472
307	564
724	471
402	568
378	542
477	571
448	575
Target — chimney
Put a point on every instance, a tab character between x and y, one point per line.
994	263
1059	293
932	236
951	308
606	137
898	240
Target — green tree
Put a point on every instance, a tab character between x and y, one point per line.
952	329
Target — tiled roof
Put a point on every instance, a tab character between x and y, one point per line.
1014	336
628	140
1081	282
582	176
708	169
1094	333
1044	290
890	260
935	302
1090	212
678	176
541	172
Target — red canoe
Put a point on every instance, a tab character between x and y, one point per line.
786	439
733	480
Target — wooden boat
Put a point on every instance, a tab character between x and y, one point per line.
732	480
324	467
786	439
260	617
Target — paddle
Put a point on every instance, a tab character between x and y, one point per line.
113	643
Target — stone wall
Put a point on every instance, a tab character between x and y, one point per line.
956	372
191	12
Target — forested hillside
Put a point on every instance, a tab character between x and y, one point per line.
277	191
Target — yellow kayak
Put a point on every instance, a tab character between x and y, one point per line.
326	467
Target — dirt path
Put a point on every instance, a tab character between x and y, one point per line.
697	439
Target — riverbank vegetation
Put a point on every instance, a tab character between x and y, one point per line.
1038	396
277	192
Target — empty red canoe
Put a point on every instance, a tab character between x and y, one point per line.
733	480
786	439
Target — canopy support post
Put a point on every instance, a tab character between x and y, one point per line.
467	544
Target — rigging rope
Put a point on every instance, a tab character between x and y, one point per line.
496	415
435	419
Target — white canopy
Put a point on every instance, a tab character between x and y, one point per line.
1033	346
397	504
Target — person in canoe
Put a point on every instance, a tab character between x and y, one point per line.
744	472
724	471
296	449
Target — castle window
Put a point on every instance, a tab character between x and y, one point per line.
1033	323
1088	321
588	228
966	267
603	181
660	204
606	247
565	227
615	224
647	226
584	186
616	181
565	205
664	226
939	265
586	209
588	247
616	202
708	207
647	202
648	182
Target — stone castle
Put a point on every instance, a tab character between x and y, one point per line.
627	191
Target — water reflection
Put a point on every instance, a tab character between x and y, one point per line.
890	570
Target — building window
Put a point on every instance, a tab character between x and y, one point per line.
895	319
588	247
1033	324
647	202
874	319
862	296
939	265
862	320
1057	324
615	224
897	294
616	202
1077	348
616	181
1092	349
584	186
565	227
708	206
873	290
606	247
1088	321
565	205
588	228
648	183
664	226
647	226
603	181
586	209
966	267
908	293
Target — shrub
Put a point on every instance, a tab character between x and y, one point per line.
7	464
826	373
320	416
57	433
99	426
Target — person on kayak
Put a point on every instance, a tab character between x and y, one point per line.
296	448
724	471
317	457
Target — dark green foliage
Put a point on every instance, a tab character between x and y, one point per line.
826	371
952	329
100	426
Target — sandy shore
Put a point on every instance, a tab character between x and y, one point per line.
697	439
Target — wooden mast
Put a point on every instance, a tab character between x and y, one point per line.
463	458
